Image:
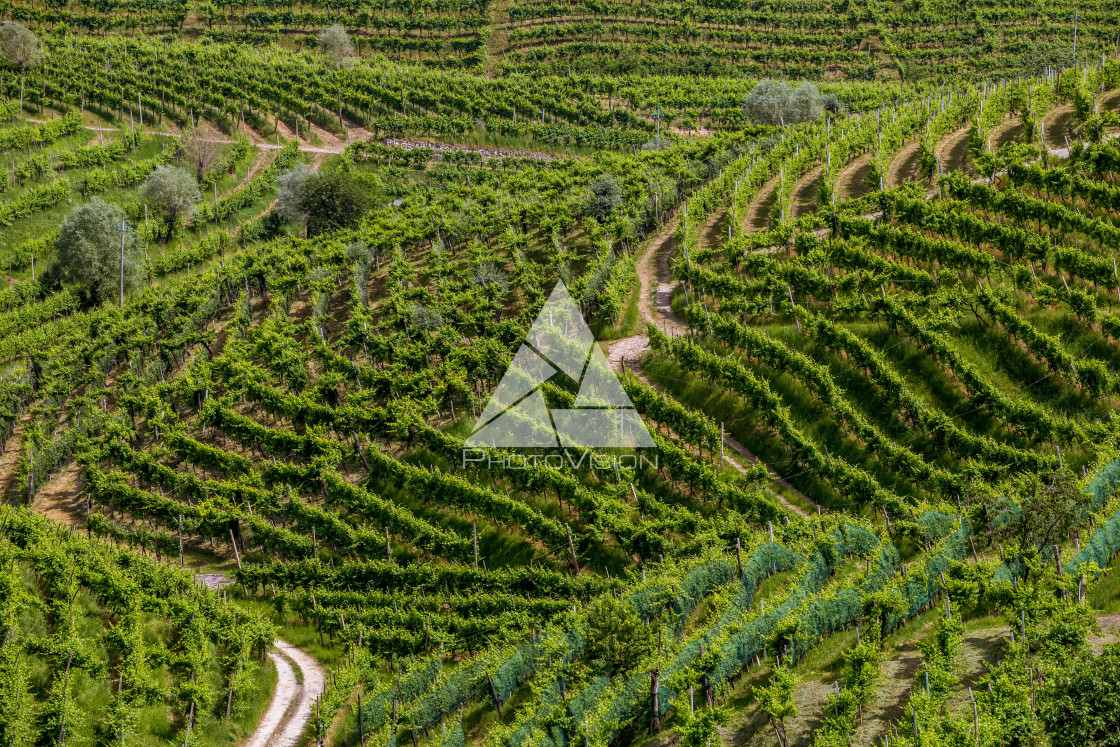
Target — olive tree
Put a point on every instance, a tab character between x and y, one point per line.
172	192
607	197
19	46
426	317
288	186
490	275
775	102
768	102
20	49
89	252
335	42
362	256
806	103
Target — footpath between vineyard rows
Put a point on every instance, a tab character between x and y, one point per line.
289	711
339	146
292	701
655	308
486	153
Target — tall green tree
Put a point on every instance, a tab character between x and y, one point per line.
617	639
333	200
1046	510
288	188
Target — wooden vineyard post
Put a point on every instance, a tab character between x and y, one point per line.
975	717
654	706
494	692
180	540
361	731
236	554
572	549
1058	565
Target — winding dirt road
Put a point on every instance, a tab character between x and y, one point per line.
290	708
655	275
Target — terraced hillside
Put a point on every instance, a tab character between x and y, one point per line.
818	40
875	354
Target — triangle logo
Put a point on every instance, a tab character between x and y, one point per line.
559	342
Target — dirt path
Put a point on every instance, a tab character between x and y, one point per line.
289	731
655	272
1110	632
283	699
654	293
439	149
758	212
1057	120
9	460
60	499
652	307
661	313
290	708
905	166
714	230
1009	130
898	673
953	150
263	161
852	180
332	145
805	197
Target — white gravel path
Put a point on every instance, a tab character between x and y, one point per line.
290	708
